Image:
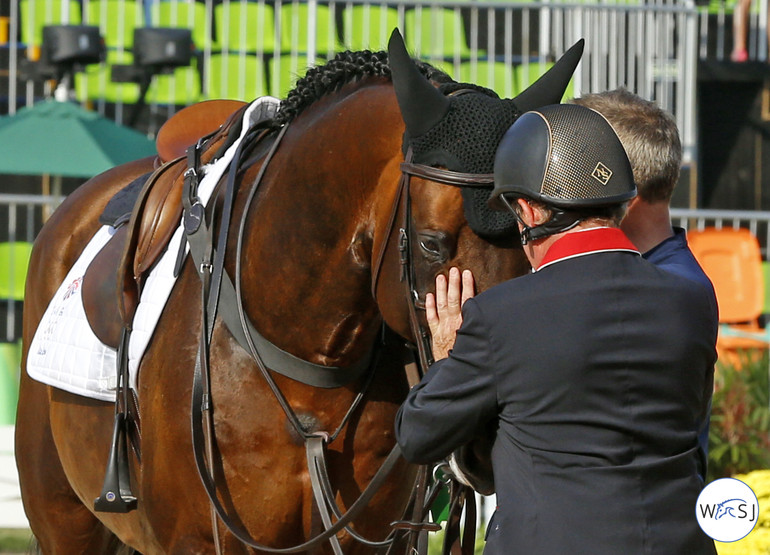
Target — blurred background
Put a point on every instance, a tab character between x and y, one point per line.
86	84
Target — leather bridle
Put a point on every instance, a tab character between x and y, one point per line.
218	290
402	205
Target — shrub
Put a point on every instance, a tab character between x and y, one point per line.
739	437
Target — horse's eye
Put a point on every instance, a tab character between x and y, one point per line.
430	246
435	246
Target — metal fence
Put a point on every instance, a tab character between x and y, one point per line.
247	49
21	217
716	29
250	48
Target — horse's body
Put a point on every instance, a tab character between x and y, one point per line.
319	219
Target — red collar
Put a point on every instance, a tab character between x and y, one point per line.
587	241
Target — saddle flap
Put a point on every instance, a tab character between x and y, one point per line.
110	296
158	216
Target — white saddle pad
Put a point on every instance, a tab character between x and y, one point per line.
65	353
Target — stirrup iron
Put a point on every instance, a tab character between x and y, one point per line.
116	496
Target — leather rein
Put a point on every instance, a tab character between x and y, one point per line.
217	290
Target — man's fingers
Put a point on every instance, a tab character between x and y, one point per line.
454	293
441	293
430	311
469	286
443	309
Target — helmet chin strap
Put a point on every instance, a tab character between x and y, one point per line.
561	220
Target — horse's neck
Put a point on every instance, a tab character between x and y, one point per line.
308	245
308	284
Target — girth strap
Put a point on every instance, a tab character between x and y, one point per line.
457	541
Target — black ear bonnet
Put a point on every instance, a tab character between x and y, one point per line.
465	140
459	126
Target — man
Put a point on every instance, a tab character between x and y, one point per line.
592	381
651	140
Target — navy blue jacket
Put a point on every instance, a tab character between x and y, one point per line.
595	370
675	256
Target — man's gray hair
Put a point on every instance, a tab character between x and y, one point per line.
649	135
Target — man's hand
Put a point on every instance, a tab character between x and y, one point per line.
444	309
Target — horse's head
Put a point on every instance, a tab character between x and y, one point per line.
336	205
441	218
455	128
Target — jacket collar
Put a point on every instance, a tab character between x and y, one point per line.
587	241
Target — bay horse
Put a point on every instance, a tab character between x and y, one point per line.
322	273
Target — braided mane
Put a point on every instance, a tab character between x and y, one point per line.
344	68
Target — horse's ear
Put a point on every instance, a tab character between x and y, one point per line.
422	105
549	89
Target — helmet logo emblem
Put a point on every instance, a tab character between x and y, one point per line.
601	173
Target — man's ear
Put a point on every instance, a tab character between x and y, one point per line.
530	214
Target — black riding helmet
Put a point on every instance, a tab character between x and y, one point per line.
566	156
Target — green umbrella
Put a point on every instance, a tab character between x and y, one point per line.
63	139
